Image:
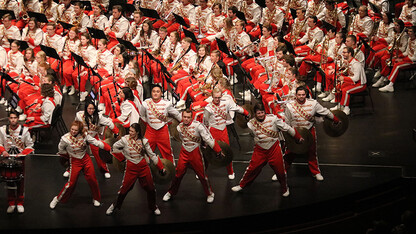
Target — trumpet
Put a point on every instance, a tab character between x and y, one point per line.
170	13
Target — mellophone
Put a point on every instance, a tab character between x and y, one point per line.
11	169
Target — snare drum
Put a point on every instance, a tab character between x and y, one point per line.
11	169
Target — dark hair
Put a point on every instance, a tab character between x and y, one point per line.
289	59
150	30
350	50
234	9
157	86
315	19
343	36
188	110
90	118
258	107
13	112
400	23
118	7
268	27
47	90
128	94
353	38
300	88
138	129
121	47
51	72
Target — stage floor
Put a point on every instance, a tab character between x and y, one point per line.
376	149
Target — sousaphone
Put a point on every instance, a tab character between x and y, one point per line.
299	148
221	161
336	130
170	172
240	119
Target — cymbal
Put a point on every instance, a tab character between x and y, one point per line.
336	130
221	161
299	148
170	172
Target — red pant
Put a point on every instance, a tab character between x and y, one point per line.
161	139
15	190
260	157
141	172
195	161
95	151
346	90
68	69
222	135
312	156
76	166
405	64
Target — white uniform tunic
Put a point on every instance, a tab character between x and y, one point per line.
301	115
77	146
156	114
15	140
15	61
98	22
313	36
35	38
133	149
215	116
193	134
213	24
119	27
54	41
266	133
93	130
12	32
129	113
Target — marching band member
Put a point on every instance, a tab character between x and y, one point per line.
73	145
301	113
382	5
92	121
98	20
298	28
134	28
80	75
116	27
8	31
362	24
129	111
404	61
15	60
104	65
53	40
33	35
215	20
332	15
135	149
266	128
155	112
70	44
15	141
408	14
215	116
11	5
24	7
315	8
313	36
65	13
166	49
382	38
42	117
272	15
192	133
187	11
201	16
166	13
351	80
81	20
252	12
49	8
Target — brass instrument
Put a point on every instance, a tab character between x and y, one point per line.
168	15
176	67
200	35
395	47
296	33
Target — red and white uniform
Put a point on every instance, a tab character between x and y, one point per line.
266	48
216	117
145	40
35	38
155	114
68	47
15	63
42	117
408	15
54	41
12	32
92	129
273	16
187	12
382	5
76	149
129	113
408	60
104	62
149	4
190	155
135	151
267	149
19	141
335	17
12	5
354	82
134	30
298	4
252	13
83	21
302	115
213	24
89	54
361	26
3	57
98	22
298	30
66	14
119	28
315	8
201	17
187	59
313	36
50	13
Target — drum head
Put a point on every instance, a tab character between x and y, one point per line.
170	172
